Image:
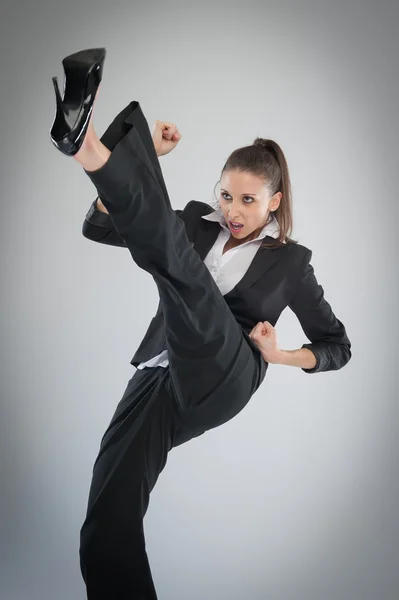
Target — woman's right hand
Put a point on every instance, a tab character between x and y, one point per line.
165	137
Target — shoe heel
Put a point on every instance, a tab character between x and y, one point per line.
57	92
60	128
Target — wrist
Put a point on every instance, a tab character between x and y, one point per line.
278	357
282	357
302	357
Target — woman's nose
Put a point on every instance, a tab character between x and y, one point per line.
233	212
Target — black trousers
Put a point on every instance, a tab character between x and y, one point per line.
213	370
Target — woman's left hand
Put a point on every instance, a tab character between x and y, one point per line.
265	337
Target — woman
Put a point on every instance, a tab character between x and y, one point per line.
222	288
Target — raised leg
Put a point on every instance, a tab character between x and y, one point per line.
207	350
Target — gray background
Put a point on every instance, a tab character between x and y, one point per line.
295	498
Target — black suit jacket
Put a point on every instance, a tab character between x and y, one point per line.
275	279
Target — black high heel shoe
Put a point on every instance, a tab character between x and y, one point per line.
83	73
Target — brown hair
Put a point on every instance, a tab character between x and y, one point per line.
264	158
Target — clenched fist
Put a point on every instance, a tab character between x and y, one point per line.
265	337
165	137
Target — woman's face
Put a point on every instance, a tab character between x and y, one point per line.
245	199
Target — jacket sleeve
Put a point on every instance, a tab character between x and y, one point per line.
329	341
98	227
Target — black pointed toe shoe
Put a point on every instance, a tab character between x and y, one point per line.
83	73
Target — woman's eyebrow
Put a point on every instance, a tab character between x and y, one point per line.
247	194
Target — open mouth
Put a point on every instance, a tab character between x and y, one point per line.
235	227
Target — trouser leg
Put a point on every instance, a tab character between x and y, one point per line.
207	350
128	117
133	452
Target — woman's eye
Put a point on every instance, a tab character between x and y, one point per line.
226	194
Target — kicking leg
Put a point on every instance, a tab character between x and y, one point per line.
207	350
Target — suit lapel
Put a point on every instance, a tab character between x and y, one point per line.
263	260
